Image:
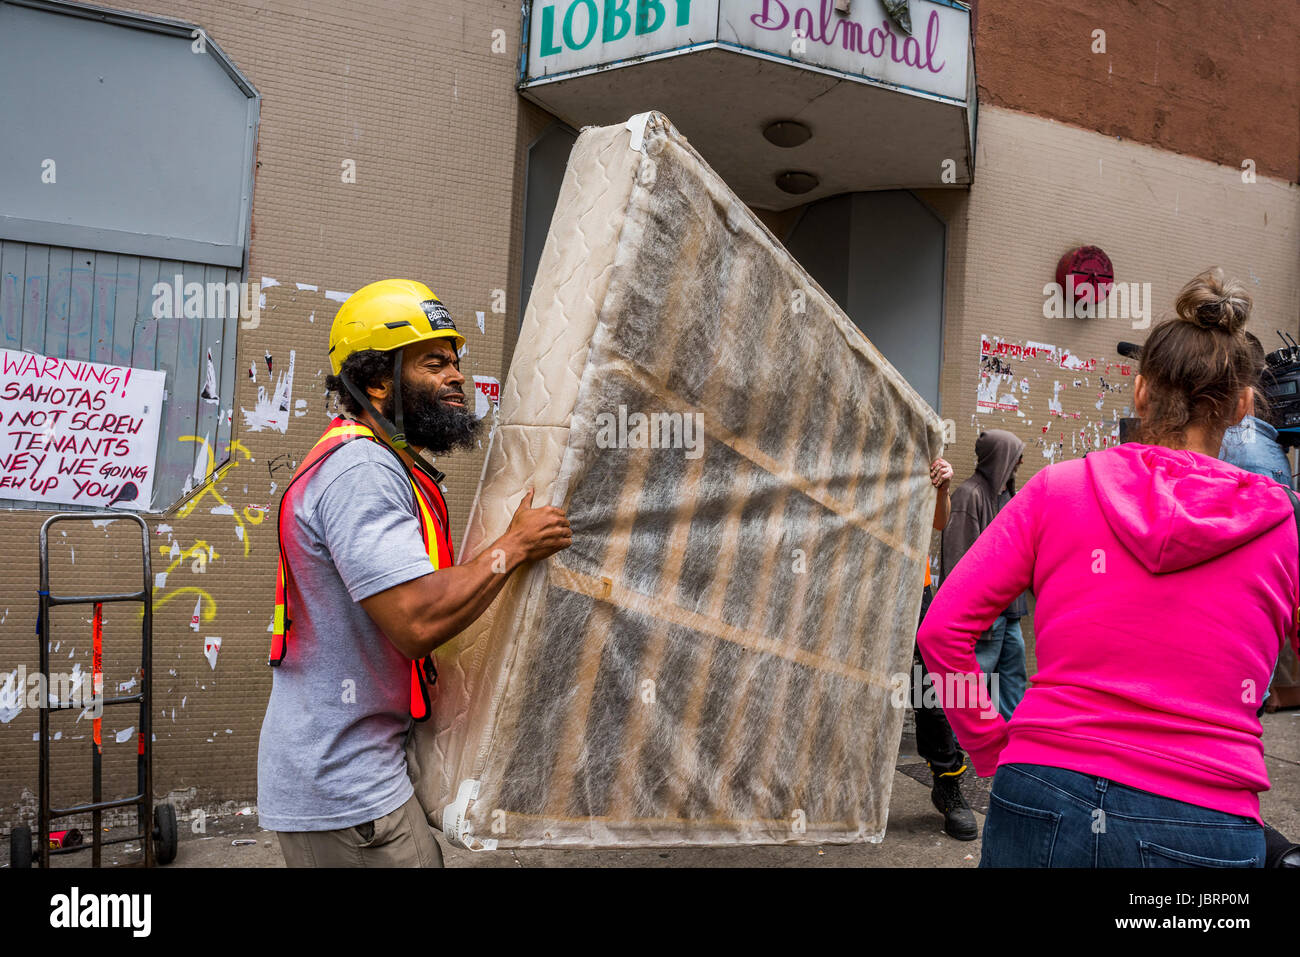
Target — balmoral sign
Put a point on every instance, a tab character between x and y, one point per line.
572	36
866	42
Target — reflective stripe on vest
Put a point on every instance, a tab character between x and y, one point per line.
432	512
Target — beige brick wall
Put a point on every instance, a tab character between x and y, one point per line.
1042	188
415	95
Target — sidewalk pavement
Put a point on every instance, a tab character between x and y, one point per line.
914	837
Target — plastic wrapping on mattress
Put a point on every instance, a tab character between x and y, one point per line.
713	660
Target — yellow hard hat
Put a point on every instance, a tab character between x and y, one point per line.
388	315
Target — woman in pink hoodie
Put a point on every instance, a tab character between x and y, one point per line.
1166	582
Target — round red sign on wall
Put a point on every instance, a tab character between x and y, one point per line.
1090	270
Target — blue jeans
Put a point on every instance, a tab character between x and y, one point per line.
1050	817
1002	653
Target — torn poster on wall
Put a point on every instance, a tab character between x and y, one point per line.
78	433
272	408
211	648
209	393
1069	403
487	395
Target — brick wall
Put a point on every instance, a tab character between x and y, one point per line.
1202	77
414	94
1045	187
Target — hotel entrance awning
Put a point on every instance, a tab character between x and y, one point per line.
882	109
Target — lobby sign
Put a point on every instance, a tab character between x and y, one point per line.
568	35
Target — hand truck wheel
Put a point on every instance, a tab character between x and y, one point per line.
164	833
20	847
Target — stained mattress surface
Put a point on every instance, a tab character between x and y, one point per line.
713	660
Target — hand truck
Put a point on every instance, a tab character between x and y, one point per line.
158	840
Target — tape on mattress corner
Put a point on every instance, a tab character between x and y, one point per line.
456	827
636	126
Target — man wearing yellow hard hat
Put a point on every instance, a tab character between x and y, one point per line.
367	587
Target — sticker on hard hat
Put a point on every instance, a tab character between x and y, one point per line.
439	317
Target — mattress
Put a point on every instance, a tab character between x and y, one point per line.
718	658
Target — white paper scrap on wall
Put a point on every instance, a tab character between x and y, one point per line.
487	395
12	697
272	410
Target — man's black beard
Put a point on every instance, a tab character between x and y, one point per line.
432	425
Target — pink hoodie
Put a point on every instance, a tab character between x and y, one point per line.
1166	582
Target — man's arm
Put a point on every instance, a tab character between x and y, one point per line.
423	613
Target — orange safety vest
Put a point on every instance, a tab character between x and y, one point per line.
432	512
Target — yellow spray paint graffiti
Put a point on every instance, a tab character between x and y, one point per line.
199	554
251	516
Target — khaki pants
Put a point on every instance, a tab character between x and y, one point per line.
400	839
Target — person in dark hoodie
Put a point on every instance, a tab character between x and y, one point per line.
934	738
1165	582
975	503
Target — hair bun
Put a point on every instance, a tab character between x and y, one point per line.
1212	302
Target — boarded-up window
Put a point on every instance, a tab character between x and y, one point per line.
79	304
127	161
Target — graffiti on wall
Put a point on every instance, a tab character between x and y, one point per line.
218	482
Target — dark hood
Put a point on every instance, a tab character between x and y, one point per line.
977	500
996	455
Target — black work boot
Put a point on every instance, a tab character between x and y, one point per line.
1278	850
958	818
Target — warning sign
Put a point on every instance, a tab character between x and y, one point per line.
78	433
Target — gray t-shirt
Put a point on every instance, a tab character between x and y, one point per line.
332	750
